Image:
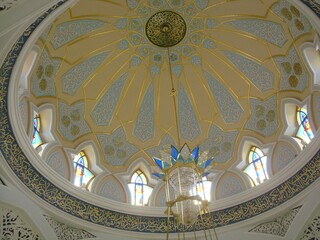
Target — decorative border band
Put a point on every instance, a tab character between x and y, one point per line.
314	5
60	199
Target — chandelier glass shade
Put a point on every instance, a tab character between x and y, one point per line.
182	171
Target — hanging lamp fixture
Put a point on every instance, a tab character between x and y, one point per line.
182	170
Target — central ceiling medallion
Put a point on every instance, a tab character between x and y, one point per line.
166	28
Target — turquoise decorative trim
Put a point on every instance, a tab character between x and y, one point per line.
62	200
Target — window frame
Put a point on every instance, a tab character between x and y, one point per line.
252	161
36	131
84	167
134	185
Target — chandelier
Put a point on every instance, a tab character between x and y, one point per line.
182	171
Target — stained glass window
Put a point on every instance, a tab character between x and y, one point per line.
257	166
304	131
81	170
36	138
140	191
203	189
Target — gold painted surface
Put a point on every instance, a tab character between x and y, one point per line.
213	60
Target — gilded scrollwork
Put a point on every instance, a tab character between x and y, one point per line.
166	28
62	200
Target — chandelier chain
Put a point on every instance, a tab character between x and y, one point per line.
173	94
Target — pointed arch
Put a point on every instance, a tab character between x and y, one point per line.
256	167
304	132
139	189
82	175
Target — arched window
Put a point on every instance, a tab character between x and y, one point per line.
256	168
203	189
140	191
36	138
83	175
304	131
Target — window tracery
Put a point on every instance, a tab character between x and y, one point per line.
203	189
304	132
82	175
298	121
256	168
139	190
36	137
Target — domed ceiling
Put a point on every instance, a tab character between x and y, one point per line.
104	66
133	77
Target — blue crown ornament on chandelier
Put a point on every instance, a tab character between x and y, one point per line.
184	157
183	171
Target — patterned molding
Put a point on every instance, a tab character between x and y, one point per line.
312	231
314	5
64	231
279	226
13	226
62	200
